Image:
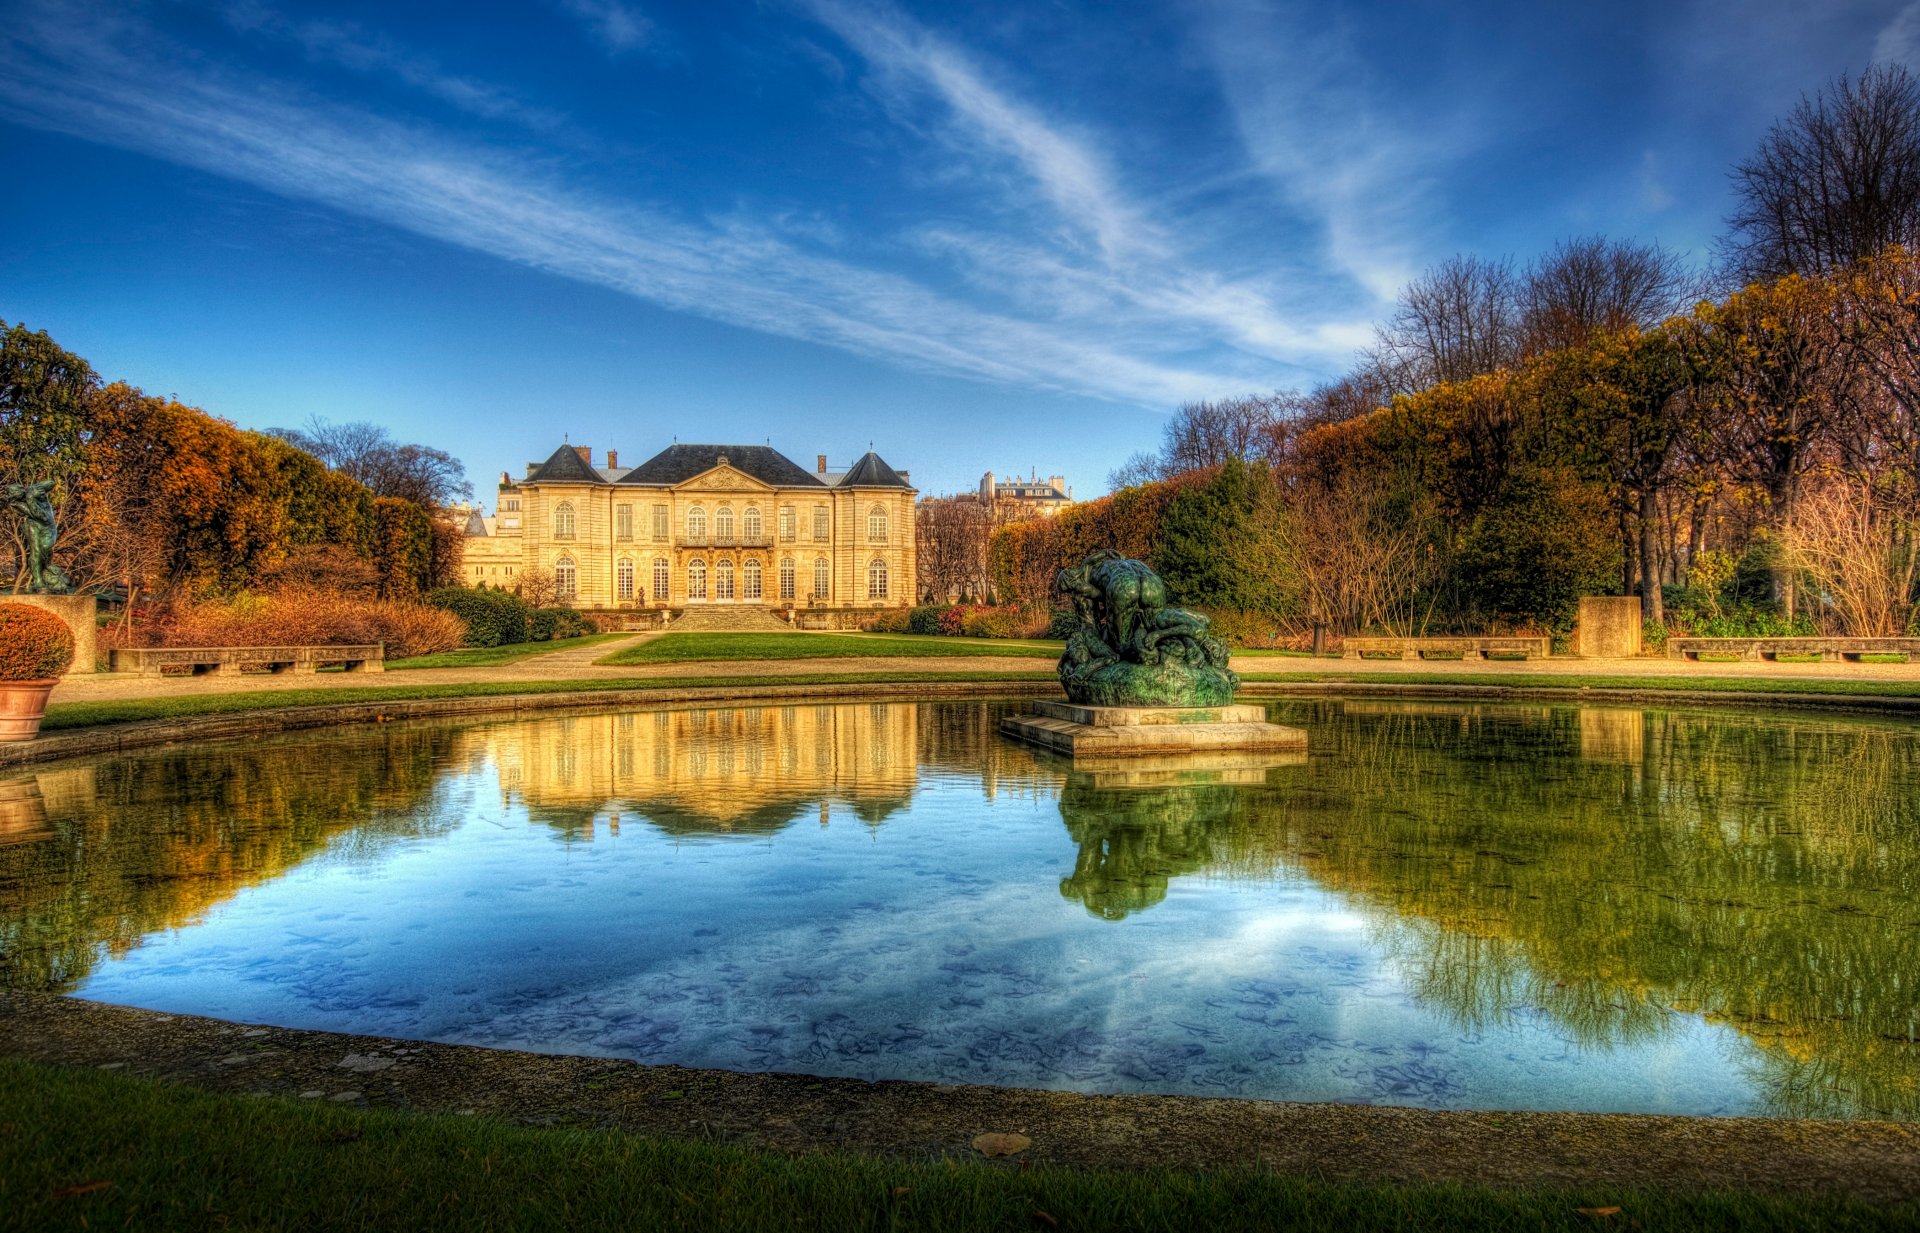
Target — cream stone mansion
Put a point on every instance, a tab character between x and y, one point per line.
702	527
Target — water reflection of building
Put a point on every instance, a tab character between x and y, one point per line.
725	770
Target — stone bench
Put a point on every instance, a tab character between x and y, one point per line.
1523	645
1772	648
205	660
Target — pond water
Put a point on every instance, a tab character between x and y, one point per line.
1450	906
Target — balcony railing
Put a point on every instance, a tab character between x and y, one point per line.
689	540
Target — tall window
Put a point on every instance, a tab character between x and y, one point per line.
566	582
877	579
662	583
659	522
623	579
786	577
696	579
877	524
723	523
822	580
723	580
623	522
563	520
786	524
697	525
750	525
822	529
750	579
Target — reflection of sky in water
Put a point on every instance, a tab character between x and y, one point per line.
936	945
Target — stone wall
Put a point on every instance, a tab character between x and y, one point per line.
1609	627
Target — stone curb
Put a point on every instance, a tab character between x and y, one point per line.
1600	1154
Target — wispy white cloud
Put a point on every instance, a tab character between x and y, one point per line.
1899	39
359	50
616	26
112	82
1310	119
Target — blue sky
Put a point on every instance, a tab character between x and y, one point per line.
980	236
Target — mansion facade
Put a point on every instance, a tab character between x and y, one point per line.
703	526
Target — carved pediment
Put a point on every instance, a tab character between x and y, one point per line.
723	478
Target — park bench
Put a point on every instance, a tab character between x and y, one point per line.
1772	648
204	660
1522	645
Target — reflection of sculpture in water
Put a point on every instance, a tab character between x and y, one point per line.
1133	841
1128	648
34	504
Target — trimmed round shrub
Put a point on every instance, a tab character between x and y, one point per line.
35	645
925	619
494	618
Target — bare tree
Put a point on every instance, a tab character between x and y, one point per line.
951	536
1249	428
1357	560
537	586
368	454
1459	319
1838	180
1859	557
1593	285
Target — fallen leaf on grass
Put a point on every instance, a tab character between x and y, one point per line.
901	1192
1046	1217
68	1192
994	1144
1598	1211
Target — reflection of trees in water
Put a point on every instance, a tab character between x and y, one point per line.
1133	841
151	841
1759	871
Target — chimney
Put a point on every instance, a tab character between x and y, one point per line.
532	467
906	477
820	463
1057	482
506	481
613	459
585	452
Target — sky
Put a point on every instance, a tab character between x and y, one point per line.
1008	235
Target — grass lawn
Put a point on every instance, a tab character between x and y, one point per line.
512	652
69	715
683	648
83	1149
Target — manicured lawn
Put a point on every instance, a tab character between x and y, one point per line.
512	652
1677	683
69	715
83	1149
685	648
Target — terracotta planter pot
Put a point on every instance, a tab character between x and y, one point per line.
22	703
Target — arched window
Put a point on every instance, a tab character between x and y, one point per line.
877	524
696	525
566	582
563	520
723	523
723	580
822	579
877	579
623	579
750	579
750	524
662	582
696	579
786	577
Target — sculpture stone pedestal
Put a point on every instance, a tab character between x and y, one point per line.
78	612
1151	731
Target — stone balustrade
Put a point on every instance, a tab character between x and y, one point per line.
1525	645
205	660
1773	648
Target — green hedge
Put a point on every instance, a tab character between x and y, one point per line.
494	618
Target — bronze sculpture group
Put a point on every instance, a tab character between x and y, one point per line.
1128	648
34	504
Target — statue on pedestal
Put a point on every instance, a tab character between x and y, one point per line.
1129	649
34	504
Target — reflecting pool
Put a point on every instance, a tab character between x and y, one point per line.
1450	906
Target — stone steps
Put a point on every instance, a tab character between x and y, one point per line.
728	618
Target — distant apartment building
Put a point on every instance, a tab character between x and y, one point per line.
1030	496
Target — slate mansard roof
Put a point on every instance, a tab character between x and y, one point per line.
679	463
